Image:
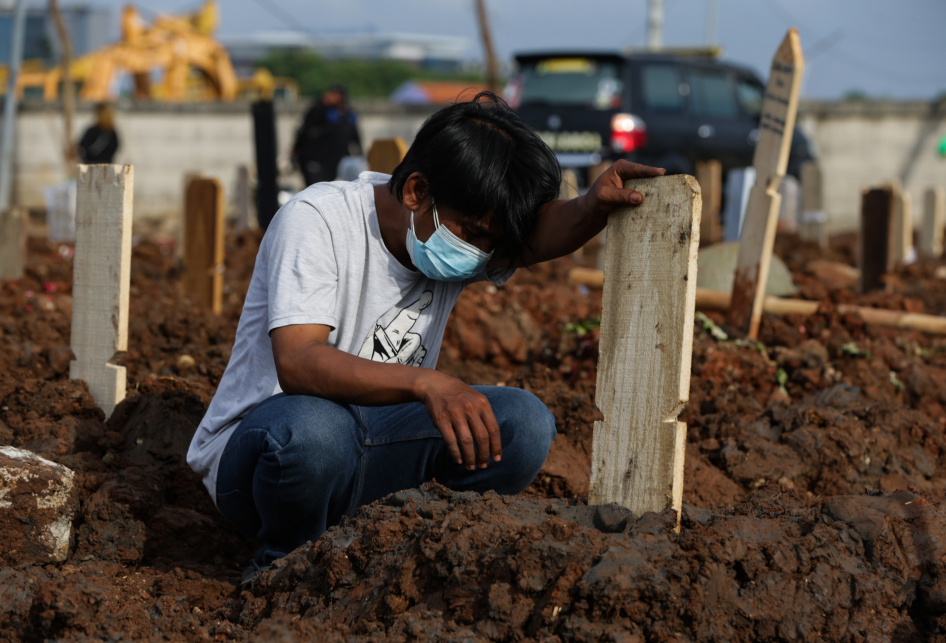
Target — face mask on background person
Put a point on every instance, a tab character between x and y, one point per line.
445	256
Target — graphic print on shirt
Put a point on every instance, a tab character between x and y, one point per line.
394	343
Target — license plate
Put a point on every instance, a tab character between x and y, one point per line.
572	141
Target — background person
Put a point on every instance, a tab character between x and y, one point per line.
329	132
100	142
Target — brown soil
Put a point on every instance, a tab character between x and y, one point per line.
813	513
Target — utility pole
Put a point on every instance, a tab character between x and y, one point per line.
712	21
655	24
9	105
492	68
68	88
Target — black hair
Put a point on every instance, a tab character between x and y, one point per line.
480	157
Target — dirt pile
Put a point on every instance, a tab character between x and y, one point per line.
780	541
433	565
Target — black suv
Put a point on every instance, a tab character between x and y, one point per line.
664	110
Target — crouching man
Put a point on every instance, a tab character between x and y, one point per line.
330	400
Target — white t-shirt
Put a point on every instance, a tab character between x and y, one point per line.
322	261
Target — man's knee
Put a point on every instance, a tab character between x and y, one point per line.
527	426
306	429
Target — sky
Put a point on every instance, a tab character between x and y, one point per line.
882	48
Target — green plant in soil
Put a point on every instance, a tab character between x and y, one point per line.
582	328
782	378
851	350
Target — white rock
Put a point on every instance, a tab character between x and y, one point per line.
38	500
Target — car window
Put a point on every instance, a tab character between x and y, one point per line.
750	96
661	88
711	94
571	81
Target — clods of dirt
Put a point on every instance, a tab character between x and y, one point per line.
434	565
812	481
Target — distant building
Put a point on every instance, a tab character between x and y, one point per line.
443	53
89	29
435	92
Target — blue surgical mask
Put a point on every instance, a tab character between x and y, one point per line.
445	256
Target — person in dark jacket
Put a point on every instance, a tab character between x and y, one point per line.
328	132
100	142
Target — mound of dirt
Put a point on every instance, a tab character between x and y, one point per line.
813	460
434	565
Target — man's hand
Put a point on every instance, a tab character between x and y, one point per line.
608	191
464	418
564	226
305	365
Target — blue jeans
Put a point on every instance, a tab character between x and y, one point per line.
297	464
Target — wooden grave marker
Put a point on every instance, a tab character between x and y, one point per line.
597	170
646	343
814	221
100	283
13	224
243	198
874	252
770	162
707	299
203	242
739	182
789	190
596	246
901	232
934	218
709	174
386	154
569	186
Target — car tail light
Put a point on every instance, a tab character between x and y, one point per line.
628	133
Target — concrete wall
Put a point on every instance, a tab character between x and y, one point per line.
858	144
164	142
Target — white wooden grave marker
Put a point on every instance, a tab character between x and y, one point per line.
934	218
901	233
738	183
101	274
646	344
770	161
814	221
13	224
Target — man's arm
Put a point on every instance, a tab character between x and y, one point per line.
565	226
306	365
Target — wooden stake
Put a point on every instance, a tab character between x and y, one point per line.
267	171
101	273
710	176
243	198
790	192
901	233
707	299
934	218
203	242
569	187
646	343
386	154
597	170
813	218
873	257
770	162
13	224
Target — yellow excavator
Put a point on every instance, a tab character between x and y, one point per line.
175	59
